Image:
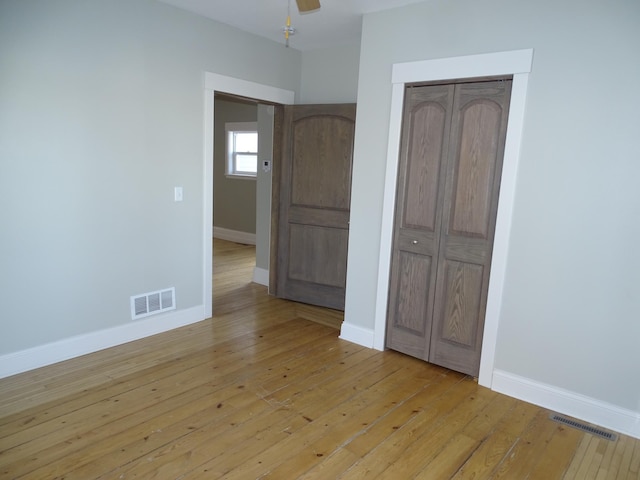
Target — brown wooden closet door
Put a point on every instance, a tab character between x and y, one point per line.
315	197
474	168
419	201
441	296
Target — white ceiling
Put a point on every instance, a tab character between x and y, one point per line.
338	22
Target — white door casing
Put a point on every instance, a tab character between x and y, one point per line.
213	83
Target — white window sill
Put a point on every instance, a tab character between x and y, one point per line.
240	177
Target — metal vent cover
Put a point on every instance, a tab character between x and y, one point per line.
151	303
584	427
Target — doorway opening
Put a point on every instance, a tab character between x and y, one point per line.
236	204
221	84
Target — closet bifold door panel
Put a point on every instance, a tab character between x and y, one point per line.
474	168
424	148
448	184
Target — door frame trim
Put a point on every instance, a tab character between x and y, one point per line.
213	83
517	63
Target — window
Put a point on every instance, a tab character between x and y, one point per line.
242	149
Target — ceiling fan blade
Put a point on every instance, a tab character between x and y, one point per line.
308	5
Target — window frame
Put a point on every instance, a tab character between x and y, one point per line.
230	167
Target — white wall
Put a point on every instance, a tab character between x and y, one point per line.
263	189
330	75
234	199
570	311
101	115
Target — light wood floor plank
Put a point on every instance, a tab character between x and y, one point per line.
634	468
191	374
265	379
168	369
578	458
527	449
409	442
194	446
120	429
497	444
320	410
421	453
604	466
597	459
435	394
624	473
339	424
616	462
556	457
332	466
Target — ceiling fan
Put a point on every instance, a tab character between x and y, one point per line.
304	6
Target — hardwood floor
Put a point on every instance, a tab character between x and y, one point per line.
259	392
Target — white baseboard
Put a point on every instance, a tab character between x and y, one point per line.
245	238
261	276
357	335
50	353
568	403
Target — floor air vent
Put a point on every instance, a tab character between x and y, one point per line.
584	427
152	303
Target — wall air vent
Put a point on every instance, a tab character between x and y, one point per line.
583	426
153	302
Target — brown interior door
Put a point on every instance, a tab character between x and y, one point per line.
449	179
314	202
